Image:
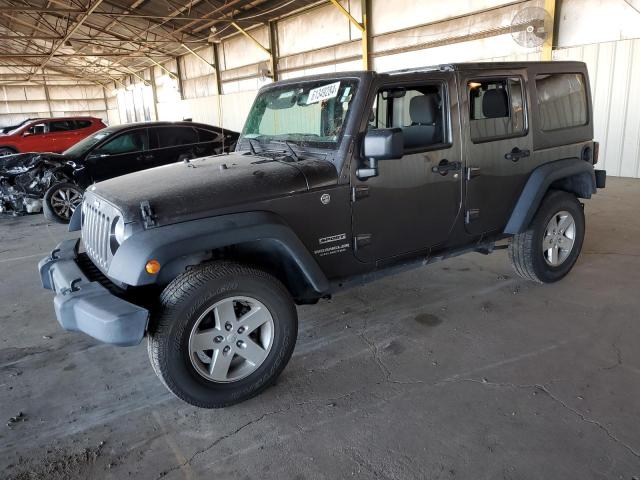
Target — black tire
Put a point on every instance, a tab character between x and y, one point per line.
4	151
526	248
183	302
54	213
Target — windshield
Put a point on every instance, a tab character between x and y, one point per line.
86	144
312	113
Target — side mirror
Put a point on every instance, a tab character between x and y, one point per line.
26	134
382	144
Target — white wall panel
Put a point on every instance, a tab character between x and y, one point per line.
315	29
582	22
397	15
614	71
239	51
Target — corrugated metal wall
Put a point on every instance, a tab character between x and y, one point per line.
614	71
19	102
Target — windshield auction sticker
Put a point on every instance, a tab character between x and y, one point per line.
323	93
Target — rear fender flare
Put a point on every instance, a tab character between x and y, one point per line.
572	175
168	244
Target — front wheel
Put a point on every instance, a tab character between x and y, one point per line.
222	334
60	201
549	248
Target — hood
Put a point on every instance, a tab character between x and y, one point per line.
212	185
23	162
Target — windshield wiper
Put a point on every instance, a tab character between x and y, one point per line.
251	147
287	143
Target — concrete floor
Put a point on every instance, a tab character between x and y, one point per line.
459	370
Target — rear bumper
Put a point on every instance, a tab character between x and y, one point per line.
85	306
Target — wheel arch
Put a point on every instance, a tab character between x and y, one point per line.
571	175
261	239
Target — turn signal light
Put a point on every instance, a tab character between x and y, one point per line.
152	267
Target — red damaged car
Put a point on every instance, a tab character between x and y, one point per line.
48	134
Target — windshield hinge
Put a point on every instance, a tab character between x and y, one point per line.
148	216
358	192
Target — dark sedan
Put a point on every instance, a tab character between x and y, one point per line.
30	182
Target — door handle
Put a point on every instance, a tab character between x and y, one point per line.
445	166
516	154
147	156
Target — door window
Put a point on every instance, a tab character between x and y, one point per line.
418	111
496	109
176	136
82	124
61	126
38	129
129	142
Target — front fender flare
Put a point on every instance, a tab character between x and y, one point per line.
539	182
170	242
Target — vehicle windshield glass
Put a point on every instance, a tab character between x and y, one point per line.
86	144
312	113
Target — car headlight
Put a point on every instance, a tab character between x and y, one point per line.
117	234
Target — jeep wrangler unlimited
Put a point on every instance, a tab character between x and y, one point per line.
336	180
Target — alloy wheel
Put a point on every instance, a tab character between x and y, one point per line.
231	339
559	238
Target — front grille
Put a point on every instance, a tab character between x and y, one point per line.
97	218
95	234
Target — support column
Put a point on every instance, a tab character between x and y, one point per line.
179	72
216	59
547	47
273	48
154	89
360	26
46	95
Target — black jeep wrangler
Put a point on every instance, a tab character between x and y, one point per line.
336	180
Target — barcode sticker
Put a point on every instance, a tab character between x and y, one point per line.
323	93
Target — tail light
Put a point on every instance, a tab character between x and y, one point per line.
596	152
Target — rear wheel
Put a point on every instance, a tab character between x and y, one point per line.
223	333
60	201
549	248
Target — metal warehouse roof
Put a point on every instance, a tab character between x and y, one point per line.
100	40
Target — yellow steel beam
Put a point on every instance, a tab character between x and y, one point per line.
163	68
197	55
346	13
547	47
365	34
360	26
252	38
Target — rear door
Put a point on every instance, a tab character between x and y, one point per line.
125	153
63	134
173	143
498	145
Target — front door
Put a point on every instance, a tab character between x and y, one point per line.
413	203
498	144
122	154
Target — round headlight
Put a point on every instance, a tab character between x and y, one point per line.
118	230
116	235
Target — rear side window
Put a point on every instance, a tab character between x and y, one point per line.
496	109
208	135
562	101
175	136
61	126
83	124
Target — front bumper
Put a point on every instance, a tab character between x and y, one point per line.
85	306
